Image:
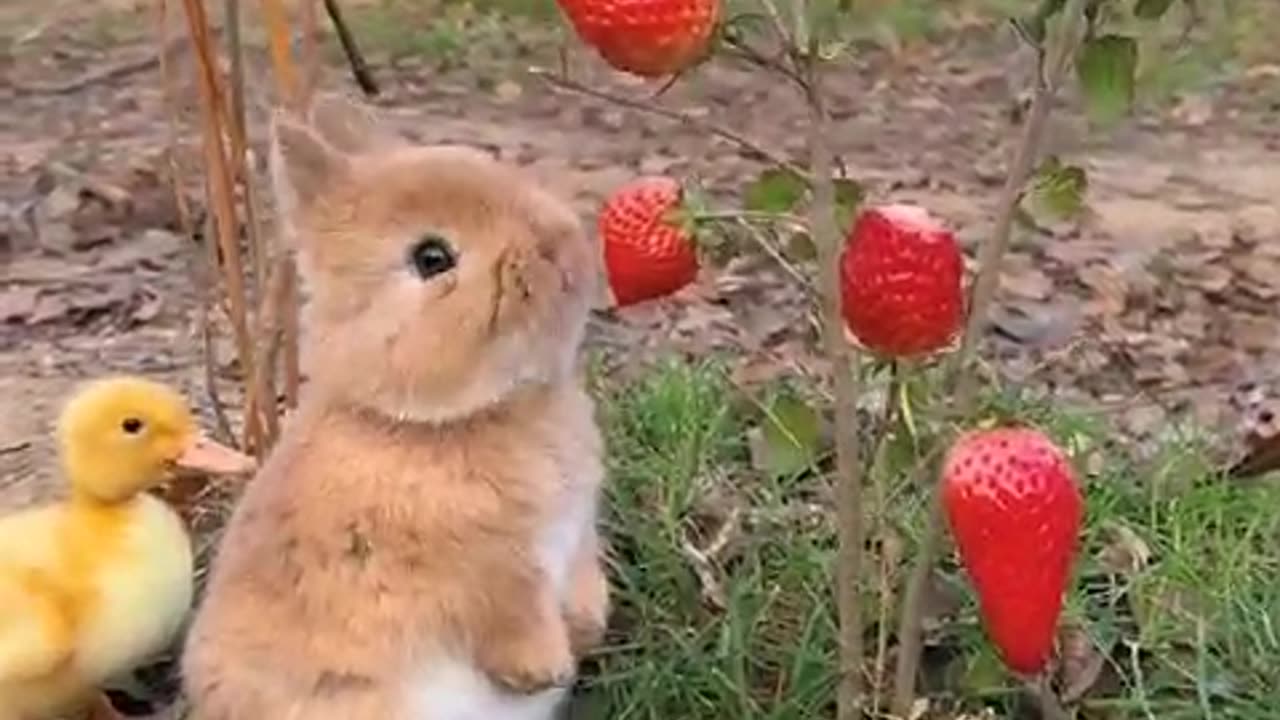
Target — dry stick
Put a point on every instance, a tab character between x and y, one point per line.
359	68
881	501
849	554
990	254
260	394
222	200
236	48
287	86
205	274
683	118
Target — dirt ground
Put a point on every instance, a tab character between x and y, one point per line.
1159	302
1160	299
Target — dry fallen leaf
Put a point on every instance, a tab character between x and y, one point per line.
1081	662
1125	552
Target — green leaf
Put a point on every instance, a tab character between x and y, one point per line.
1107	66
791	435
848	197
776	191
1151	9
1034	27
1058	190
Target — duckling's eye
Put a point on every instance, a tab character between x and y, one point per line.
431	255
132	426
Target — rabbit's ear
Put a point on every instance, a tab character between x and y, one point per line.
350	126
302	163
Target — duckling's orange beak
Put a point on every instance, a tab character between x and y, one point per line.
203	454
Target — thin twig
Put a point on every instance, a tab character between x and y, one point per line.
111	73
260	396
287	87
683	118
992	251
203	269
1048	80
219	185
849	511
765	244
879	511
359	66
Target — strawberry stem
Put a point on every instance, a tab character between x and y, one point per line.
849	512
1048	80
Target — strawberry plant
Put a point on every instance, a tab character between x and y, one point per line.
888	279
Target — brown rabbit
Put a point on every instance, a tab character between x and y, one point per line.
421	544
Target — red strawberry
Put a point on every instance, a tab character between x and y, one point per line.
650	38
646	255
1014	509
900	276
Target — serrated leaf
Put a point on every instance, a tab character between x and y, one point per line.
1107	67
775	191
848	197
1058	190
1151	9
791	433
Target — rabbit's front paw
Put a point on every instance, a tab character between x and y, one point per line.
534	660
587	609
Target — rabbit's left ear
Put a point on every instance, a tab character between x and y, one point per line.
350	126
303	165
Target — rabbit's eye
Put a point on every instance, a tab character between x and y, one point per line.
431	255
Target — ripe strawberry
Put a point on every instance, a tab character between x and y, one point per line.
900	275
1014	509
646	255
650	38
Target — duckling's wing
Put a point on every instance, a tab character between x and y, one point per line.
35	633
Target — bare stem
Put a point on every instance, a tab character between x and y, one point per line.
684	118
1062	49
259	398
992	251
219	182
879	512
292	96
359	67
849	557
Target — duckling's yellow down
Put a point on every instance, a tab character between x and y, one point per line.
92	586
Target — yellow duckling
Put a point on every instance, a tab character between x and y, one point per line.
92	586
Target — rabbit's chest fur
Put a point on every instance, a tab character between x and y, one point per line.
368	549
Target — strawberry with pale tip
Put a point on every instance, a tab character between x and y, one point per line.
648	252
1014	508
649	38
901	275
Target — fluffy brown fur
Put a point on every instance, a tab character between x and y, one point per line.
403	517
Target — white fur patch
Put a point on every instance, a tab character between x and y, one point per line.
452	690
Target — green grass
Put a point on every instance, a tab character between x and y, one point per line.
1193	634
474	33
